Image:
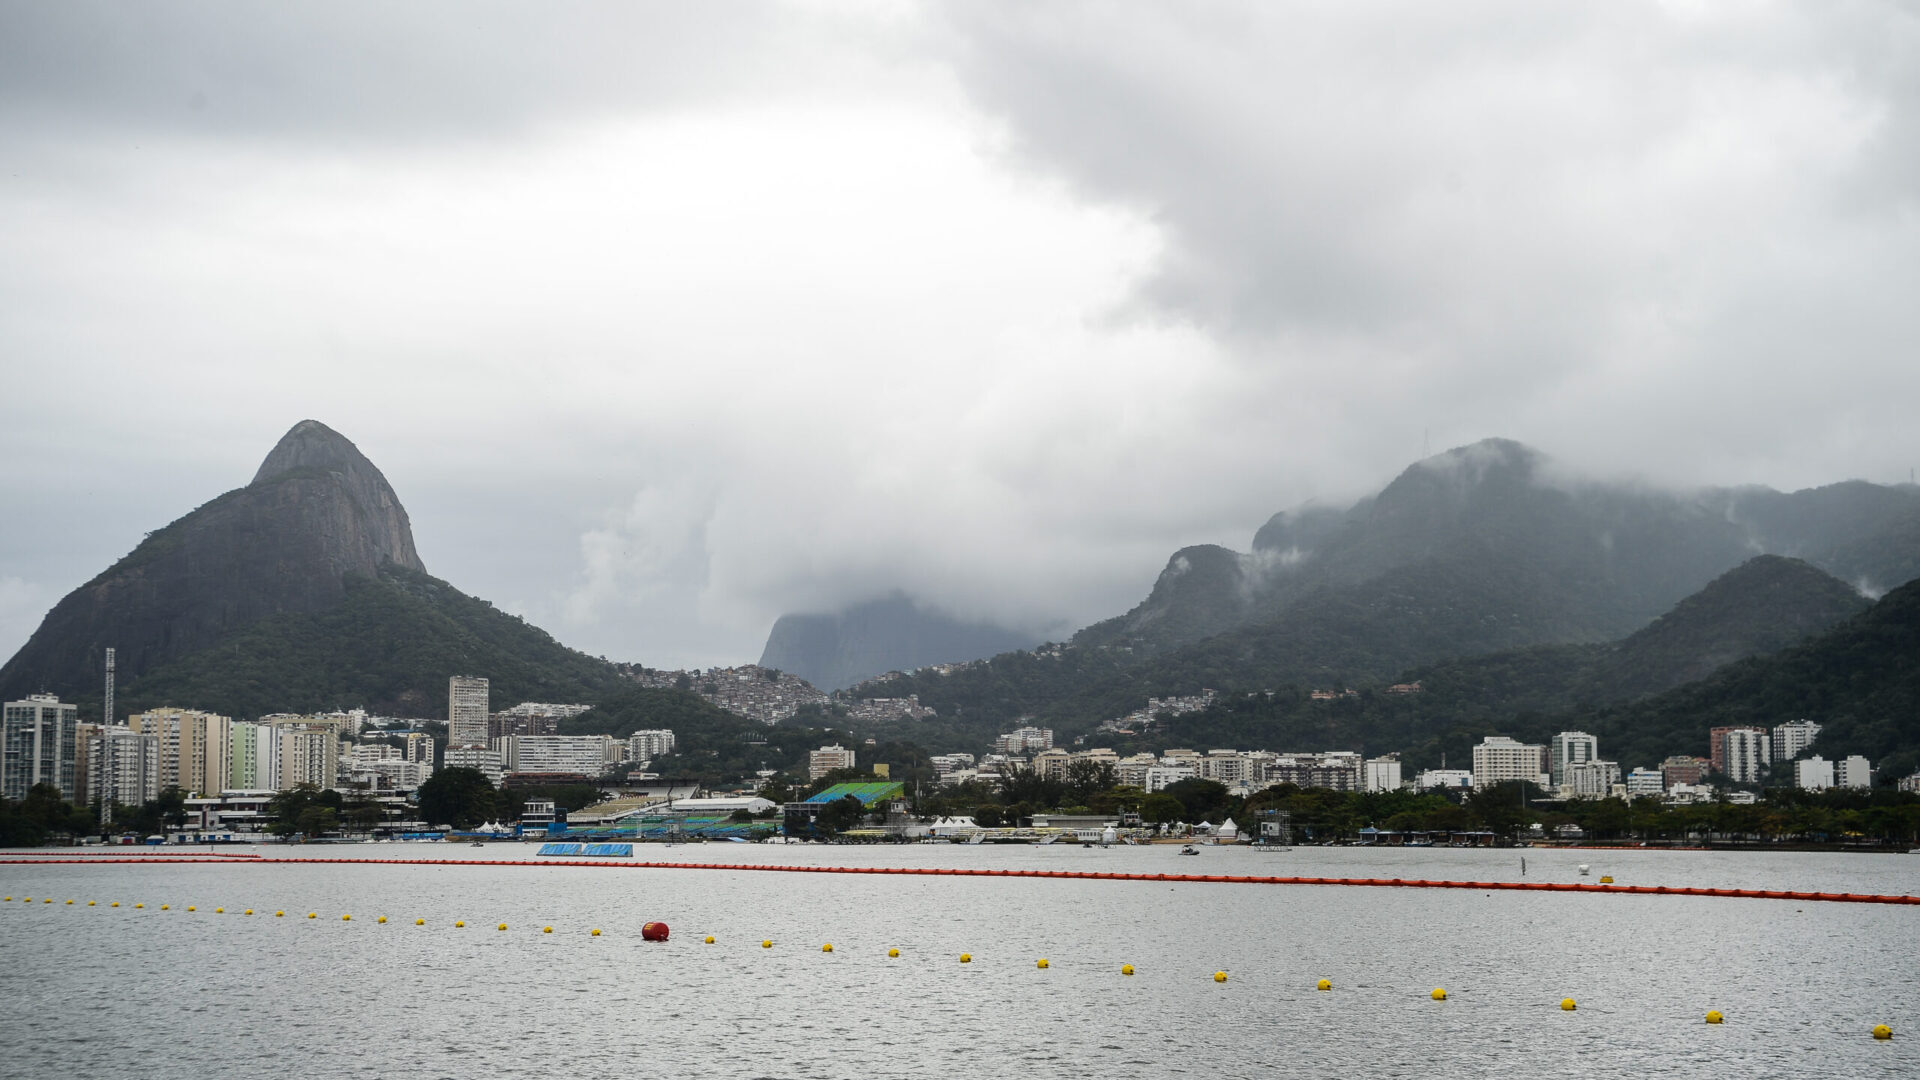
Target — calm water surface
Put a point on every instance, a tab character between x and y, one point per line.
120	992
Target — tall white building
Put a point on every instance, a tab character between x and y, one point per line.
647	744
1852	772
1498	759
123	766
40	738
1571	748
1813	774
1792	737
467	702
1748	752
1383	773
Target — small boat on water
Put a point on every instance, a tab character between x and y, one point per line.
1189	850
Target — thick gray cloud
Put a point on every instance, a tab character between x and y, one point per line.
664	320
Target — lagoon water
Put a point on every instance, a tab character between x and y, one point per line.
124	992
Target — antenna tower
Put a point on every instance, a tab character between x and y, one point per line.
108	786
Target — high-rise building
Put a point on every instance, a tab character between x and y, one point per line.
1571	748
1813	774
1498	759
828	758
83	738
647	744
420	748
1853	771
467	711
249	747
1792	737
123	767
308	756
1591	779
1383	773
1743	753
194	747
40	739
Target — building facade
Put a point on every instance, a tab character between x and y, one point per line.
1744	753
123	767
1591	779
587	755
467	701
1813	774
475	757
309	756
1570	748
826	759
194	747
40	737
647	744
1853	771
1498	759
1383	773
1790	738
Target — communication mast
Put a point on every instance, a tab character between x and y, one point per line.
109	786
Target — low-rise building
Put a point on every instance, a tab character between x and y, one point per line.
475	757
1498	759
1590	779
649	743
1645	782
1683	769
1443	778
585	755
1382	773
828	758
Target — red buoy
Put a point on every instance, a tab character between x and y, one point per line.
654	931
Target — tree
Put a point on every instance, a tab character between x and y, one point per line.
317	820
1203	800
987	816
459	797
1161	808
840	814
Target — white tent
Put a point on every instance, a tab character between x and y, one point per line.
1228	832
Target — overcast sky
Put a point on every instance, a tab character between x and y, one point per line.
666	319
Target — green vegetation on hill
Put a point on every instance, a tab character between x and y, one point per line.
711	745
389	646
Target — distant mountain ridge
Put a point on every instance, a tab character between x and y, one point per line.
890	634
1482	549
302	590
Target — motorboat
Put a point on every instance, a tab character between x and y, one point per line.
1189	850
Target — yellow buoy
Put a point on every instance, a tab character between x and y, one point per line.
139	905
1606	879
382	918
419	922
164	907
1566	1005
190	907
1882	1031
1323	984
279	914
9	899
893	952
313	914
249	911
459	923
828	947
767	944
1041	963
346	918
116	903
48	901
1219	976
219	911
709	939
1126	969
89	903
1439	993
596	933
503	926
546	930
69	901
966	958
1714	1017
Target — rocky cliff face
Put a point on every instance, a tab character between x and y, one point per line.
316	511
892	634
